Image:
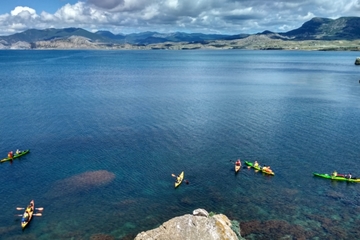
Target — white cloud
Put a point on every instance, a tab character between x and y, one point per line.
207	16
47	17
72	13
21	10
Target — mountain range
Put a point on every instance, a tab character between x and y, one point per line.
320	29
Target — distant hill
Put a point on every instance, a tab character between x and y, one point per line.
344	28
33	35
145	38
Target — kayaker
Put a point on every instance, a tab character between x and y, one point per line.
238	163
25	217
267	169
10	154
18	151
256	164
348	176
29	208
334	174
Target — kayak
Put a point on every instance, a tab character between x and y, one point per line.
237	167
179	179
338	178
15	156
250	164
28	213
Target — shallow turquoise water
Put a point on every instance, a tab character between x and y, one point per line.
142	115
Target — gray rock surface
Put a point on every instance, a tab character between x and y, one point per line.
20	45
190	227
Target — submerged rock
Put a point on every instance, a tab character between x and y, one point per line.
81	182
191	227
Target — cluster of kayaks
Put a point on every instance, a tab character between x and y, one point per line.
29	210
266	170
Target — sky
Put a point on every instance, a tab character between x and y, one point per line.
167	16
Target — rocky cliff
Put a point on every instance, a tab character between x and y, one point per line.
198	226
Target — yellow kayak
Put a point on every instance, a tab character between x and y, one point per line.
179	179
29	211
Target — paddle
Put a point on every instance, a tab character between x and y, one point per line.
173	175
35	214
21	208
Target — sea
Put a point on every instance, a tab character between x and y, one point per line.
107	130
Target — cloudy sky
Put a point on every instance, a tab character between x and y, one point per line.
205	16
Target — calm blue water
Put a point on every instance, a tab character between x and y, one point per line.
129	119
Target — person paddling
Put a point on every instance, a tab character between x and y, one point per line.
238	163
267	169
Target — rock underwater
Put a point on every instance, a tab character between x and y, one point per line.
81	182
199	226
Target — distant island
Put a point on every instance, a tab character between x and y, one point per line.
322	34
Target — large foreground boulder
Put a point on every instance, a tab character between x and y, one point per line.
194	227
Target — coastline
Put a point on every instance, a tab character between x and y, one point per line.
255	42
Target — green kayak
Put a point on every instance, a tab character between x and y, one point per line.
15	156
338	178
250	164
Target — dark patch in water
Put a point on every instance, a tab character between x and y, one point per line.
81	182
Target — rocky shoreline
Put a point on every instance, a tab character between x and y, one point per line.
197	226
254	42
